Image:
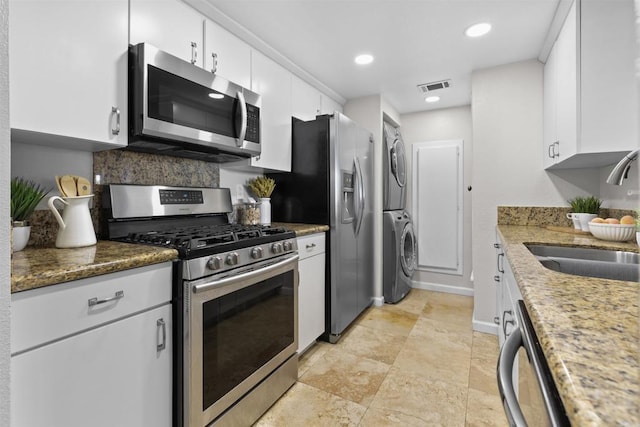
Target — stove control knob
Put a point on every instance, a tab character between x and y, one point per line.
288	246
256	253
214	263
232	258
276	248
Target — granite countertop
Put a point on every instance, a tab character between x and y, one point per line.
589	328
36	267
302	229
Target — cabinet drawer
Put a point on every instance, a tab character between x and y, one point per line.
50	313
311	245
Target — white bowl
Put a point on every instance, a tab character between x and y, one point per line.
612	232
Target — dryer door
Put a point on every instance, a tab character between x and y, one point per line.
409	252
398	161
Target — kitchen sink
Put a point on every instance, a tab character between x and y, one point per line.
602	263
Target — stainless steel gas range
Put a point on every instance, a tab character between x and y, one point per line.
235	299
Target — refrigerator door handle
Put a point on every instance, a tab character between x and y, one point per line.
360	195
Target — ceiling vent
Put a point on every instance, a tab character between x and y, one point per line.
430	87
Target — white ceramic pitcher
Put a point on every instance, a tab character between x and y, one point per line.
76	227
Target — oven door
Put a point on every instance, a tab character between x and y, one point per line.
239	328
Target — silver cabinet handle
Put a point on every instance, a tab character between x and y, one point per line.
496	245
214	62
311	246
96	301
496	278
116	111
500	266
161	324
194	52
556	153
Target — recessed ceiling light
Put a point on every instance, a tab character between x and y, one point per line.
215	95
477	30
364	59
431	99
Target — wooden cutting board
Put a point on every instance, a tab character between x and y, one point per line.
567	230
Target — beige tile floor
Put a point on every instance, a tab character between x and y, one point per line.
416	363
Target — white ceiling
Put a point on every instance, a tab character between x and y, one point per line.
413	41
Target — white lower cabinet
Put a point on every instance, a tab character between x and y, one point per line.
311	295
118	373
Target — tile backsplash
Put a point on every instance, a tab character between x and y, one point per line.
128	167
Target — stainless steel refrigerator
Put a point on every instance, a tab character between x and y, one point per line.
331	183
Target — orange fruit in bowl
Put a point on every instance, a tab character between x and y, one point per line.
627	219
612	221
597	221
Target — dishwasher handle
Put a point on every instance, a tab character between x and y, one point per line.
506	361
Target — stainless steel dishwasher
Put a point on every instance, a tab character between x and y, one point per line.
528	392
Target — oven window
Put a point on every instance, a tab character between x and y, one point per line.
176	100
242	331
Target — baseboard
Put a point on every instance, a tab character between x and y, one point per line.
486	327
378	301
459	290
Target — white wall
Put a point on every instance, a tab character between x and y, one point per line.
5	257
236	180
506	112
448	123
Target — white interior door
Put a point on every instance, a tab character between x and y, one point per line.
437	205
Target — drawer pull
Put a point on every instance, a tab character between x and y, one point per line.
96	301
161	324
311	246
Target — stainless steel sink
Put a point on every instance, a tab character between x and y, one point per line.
602	263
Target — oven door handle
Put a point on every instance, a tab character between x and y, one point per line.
506	361
248	276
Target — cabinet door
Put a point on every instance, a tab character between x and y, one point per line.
169	25
113	375
567	90
550	102
69	69
311	299
328	105
306	99
232	54
273	82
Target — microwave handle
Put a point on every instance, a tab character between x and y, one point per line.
243	120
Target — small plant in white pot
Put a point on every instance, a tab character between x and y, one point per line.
25	196
584	210
262	187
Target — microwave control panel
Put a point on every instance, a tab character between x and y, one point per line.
253	124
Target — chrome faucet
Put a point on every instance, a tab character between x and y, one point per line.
619	173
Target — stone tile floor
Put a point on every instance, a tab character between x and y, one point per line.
416	363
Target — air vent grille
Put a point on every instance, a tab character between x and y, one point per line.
430	87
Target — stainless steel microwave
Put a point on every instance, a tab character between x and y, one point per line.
180	109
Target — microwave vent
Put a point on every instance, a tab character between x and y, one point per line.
430	87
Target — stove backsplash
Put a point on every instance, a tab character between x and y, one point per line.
128	167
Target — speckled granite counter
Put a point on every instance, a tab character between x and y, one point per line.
37	267
302	229
589	329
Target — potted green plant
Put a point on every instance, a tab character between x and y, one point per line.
584	210
262	187
25	196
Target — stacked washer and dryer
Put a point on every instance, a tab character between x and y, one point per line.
399	241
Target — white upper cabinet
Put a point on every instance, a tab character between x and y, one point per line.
273	82
68	72
328	105
307	101
590	92
169	25
232	55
